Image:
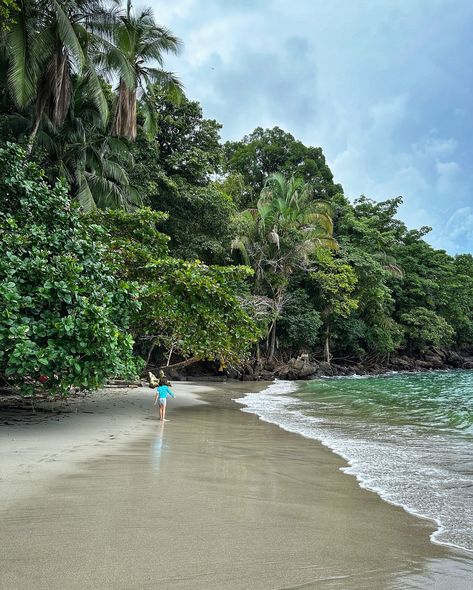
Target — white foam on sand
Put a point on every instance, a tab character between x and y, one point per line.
403	470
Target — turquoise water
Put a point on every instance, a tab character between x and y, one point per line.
441	401
409	437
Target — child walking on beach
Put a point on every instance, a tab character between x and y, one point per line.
162	393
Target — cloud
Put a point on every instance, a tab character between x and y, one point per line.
448	173
432	145
461	223
456	232
382	87
261	88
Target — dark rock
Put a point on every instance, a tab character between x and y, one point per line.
249	377
433	362
422	364
266	375
269	365
324	370
440	352
402	363
454	358
300	368
233	373
435	357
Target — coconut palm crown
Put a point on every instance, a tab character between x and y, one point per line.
137	43
279	236
49	42
285	228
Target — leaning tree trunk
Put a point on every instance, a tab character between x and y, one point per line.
185	363
34	131
124	122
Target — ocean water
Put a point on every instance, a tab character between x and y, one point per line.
408	437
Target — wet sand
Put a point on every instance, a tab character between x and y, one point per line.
212	499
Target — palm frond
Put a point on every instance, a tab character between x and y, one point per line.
84	195
21	75
166	80
240	244
112	60
68	35
150	125
95	91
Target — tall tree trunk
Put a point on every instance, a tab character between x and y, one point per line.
60	87
54	94
34	131
328	356
124	122
278	307
272	341
40	106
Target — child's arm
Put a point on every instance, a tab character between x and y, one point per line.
156	397
171	393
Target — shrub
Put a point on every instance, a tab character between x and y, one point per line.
63	314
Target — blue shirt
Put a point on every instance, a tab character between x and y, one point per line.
164	392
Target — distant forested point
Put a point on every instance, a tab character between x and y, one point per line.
131	236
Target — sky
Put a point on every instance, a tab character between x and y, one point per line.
383	86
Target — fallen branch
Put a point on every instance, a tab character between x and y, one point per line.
185	363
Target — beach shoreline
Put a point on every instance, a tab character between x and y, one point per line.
223	499
61	435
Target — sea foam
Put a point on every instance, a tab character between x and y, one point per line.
425	471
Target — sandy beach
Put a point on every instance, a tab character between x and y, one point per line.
107	497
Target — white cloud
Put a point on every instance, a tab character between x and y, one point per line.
217	37
447	175
460	223
432	145
166	12
383	87
388	113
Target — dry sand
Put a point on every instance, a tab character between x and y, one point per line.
212	499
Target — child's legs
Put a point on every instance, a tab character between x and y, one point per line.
162	409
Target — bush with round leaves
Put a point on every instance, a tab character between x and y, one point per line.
63	312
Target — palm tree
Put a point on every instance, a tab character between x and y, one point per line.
91	161
280	236
137	42
84	154
49	43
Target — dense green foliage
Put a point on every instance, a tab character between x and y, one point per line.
283	234
384	290
64	314
198	249
177	163
267	151
187	308
8	10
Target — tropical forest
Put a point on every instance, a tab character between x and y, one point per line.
132	238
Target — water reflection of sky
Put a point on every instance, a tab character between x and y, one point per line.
158	445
